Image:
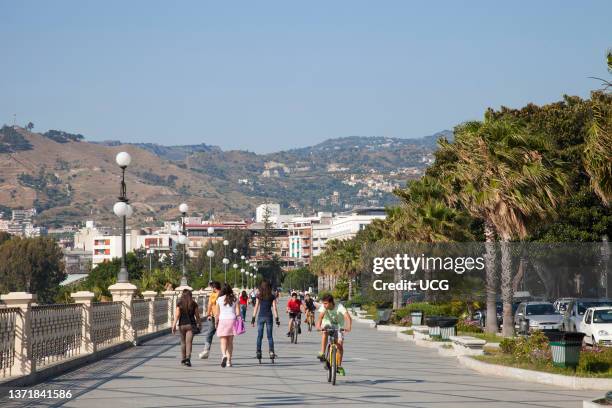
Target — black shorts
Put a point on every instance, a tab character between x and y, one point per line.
294	315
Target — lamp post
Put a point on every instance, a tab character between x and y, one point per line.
242	271
210	253
235	251
235	266
123	209
225	260
150	252
183	240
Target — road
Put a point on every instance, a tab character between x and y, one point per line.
381	370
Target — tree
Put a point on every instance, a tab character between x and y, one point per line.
598	147
300	278
32	265
508	179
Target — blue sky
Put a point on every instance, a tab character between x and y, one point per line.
272	75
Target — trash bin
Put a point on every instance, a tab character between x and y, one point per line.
565	348
448	327
524	326
434	327
417	318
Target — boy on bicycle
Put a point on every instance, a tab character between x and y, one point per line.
336	316
310	307
294	308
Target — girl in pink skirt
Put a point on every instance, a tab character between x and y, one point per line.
228	309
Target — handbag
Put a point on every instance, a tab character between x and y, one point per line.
194	326
239	326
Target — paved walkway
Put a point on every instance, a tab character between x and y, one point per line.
381	370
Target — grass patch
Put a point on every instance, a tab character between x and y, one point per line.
489	337
547	367
408	332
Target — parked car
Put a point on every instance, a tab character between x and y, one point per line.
561	304
541	316
573	315
597	326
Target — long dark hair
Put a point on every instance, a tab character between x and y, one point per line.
265	290
244	295
228	292
186	303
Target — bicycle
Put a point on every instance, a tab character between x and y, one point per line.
295	327
331	352
310	319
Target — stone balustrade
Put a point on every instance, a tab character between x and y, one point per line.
36	337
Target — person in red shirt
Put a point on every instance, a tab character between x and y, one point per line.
294	308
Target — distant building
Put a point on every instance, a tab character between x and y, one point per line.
335	198
272	208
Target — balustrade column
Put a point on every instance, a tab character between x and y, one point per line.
85	299
124	292
171	296
24	362
150	296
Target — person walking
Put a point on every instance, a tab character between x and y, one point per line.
244	301
265	309
187	316
227	311
210	315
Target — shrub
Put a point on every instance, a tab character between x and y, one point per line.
507	345
428	309
531	349
597	360
469	326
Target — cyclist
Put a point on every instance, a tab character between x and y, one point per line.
294	308
309	306
332	315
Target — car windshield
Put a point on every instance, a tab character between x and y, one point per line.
544	309
583	306
602	316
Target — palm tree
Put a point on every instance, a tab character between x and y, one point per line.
598	146
506	180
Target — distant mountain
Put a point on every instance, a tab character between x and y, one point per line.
69	179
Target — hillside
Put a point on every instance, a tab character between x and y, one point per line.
69	179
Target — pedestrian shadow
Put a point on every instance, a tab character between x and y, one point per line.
385	381
279	401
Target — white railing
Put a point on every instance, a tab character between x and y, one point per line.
160	313
106	323
7	340
56	333
140	316
33	337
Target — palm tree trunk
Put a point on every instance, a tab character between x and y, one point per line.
491	281
506	287
350	287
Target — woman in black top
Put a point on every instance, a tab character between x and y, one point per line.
265	309
187	316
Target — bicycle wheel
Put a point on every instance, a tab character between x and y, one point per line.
333	366
294	334
328	363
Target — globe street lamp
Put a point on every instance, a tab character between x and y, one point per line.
225	244
183	240
242	277
210	253
235	266
225	262
123	210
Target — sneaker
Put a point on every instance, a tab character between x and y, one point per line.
183	361
188	362
341	371
272	355
288	334
258	355
321	357
204	354
224	362
229	364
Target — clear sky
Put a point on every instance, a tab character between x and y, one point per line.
271	75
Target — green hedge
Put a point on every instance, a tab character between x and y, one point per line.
428	309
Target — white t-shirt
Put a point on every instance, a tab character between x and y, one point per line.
226	311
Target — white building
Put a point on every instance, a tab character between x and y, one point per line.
347	225
107	247
272	208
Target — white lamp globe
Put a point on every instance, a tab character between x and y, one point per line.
182	239
255	268
129	211
235	250
120	209
242	257
183	208
123	159
225	242
242	270
211	230
235	266
225	261
210	253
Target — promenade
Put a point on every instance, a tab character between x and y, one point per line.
381	370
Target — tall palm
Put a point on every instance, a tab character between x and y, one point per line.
507	180
598	147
